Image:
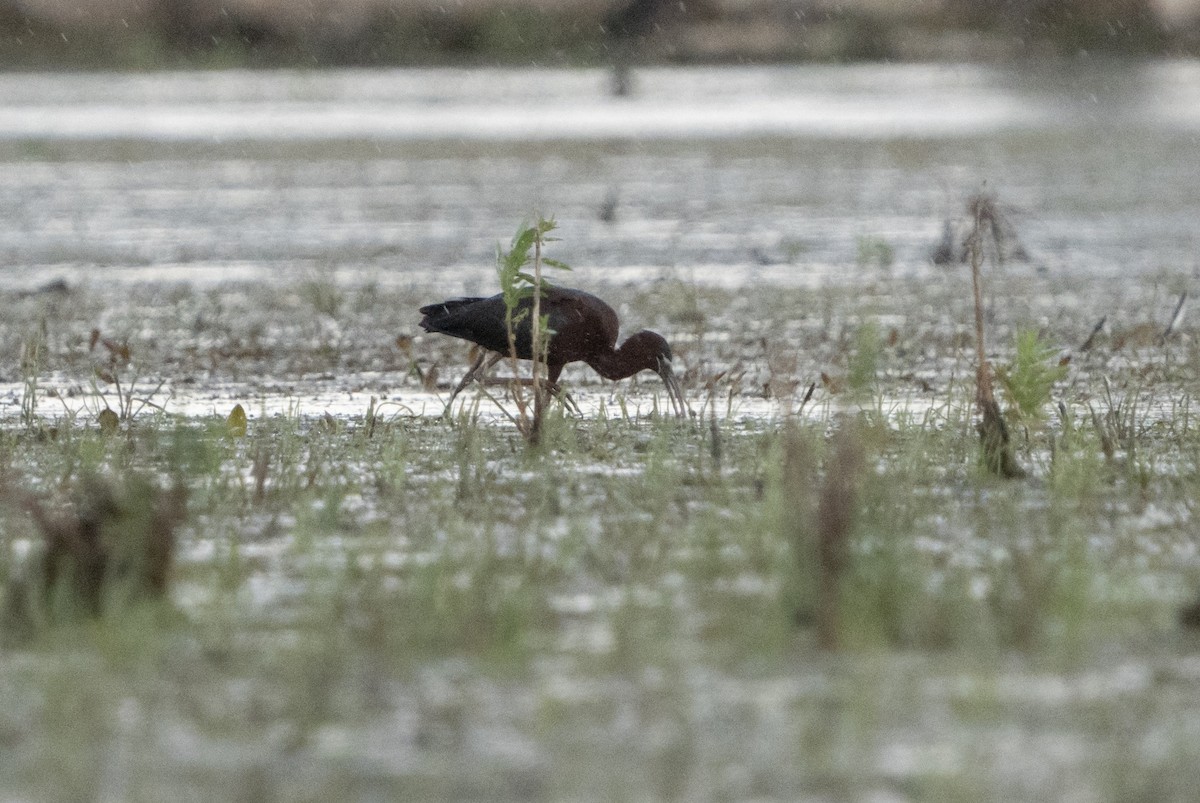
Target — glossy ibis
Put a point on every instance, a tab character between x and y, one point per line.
583	328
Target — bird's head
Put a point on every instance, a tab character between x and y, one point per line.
655	354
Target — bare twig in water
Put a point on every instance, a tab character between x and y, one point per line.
1097	330
812	386
1176	319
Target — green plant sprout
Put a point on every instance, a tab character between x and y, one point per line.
517	284
1029	379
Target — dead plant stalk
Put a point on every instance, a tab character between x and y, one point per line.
993	432
540	351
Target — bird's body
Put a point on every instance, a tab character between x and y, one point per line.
583	329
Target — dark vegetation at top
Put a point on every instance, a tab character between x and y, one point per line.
204	33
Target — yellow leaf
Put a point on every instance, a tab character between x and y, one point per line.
236	422
109	422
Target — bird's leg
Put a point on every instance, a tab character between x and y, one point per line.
482	364
556	390
553	388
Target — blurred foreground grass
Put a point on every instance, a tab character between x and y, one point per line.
383	605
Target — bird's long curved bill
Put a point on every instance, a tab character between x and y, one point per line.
673	388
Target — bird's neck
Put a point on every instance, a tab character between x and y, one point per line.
618	364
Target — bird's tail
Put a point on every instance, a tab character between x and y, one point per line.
436	312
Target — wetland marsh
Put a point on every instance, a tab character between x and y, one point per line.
371	602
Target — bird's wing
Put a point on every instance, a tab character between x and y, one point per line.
586	321
479	320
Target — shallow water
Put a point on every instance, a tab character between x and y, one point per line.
756	174
758	217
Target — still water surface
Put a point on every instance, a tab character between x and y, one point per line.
867	102
731	175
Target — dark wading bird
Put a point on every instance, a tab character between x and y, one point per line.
583	328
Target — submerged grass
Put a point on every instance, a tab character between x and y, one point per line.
386	604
